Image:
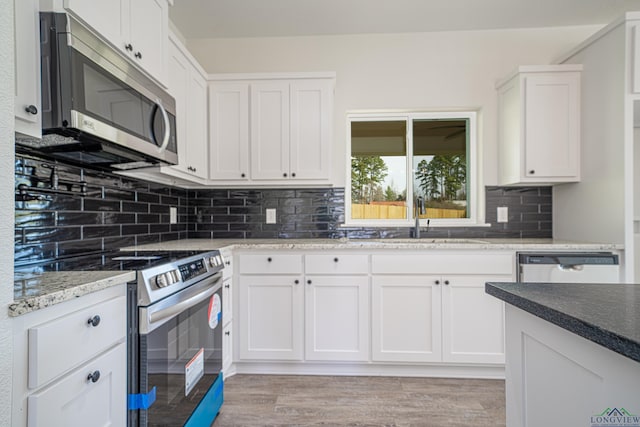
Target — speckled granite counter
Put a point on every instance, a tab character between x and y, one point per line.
607	314
424	243
36	291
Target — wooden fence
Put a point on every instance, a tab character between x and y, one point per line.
383	211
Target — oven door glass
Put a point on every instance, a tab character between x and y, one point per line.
181	359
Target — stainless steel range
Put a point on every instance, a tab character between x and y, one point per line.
174	332
175	342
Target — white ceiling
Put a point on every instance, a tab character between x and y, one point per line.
267	18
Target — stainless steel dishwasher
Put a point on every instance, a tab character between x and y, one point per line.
565	267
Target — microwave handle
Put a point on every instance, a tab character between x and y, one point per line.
167	124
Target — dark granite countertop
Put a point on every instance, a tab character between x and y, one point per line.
607	314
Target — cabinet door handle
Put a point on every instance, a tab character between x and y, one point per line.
269	259
94	376
335	259
242	175
293	174
94	321
446	282
31	109
128	47
532	172
227	286
138	55
296	281
284	174
309	282
228	262
437	282
227	333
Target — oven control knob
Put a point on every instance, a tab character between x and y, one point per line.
161	280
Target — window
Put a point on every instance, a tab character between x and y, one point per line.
404	165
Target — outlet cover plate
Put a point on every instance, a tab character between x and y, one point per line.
271	216
173	215
503	214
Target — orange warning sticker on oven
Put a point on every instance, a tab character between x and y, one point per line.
215	311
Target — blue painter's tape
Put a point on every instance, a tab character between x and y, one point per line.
141	401
219	316
209	406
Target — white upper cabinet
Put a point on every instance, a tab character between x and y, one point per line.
539	125
311	112
137	28
635	58
229	131
189	88
28	117
270	131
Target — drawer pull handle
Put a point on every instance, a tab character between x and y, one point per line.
335	259
296	281
437	282
227	286
94	376
309	282
227	333
269	259
446	282
94	321
31	109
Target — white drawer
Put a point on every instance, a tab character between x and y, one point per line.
336	264
270	264
443	263
70	340
76	400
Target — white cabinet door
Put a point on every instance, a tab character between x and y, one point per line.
311	107
227	301
635	59
28	115
227	349
196	139
270	130
77	400
337	318
552	108
109	19
472	321
272	317
148	29
229	131
406	319
539	126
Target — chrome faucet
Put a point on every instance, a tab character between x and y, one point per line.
418	209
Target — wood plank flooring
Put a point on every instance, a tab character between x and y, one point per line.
280	400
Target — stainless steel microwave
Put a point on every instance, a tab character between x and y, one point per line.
97	108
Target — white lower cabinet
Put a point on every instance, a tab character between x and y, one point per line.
96	392
422	308
272	317
405	319
70	364
472	320
227	349
337	318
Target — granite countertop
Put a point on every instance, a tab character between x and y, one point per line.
607	314
423	243
36	291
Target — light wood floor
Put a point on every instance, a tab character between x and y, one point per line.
278	400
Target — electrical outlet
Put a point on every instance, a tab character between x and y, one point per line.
271	216
173	215
503	214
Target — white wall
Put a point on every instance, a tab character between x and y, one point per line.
6	201
593	209
400	71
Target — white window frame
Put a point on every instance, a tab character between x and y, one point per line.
473	177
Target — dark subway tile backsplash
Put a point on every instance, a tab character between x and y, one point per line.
119	211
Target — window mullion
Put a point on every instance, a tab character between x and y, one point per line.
410	170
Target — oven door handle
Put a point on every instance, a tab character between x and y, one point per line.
159	317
